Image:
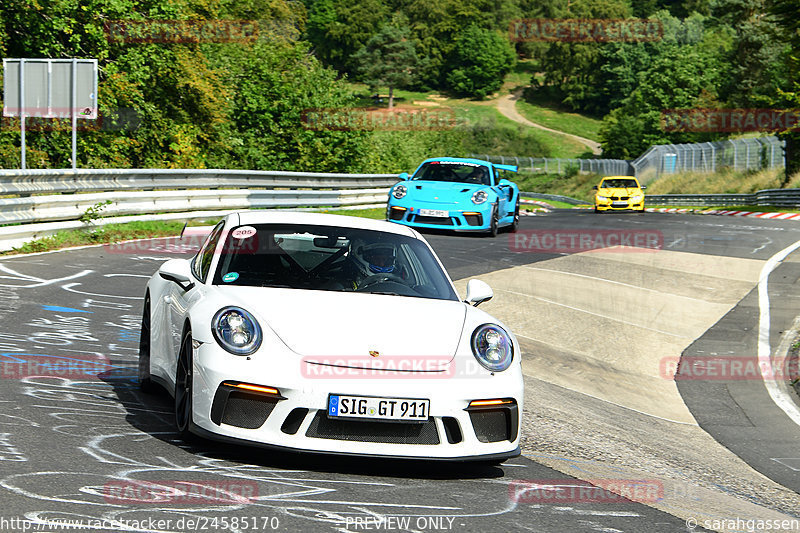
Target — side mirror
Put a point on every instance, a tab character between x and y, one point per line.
177	271
478	292
403	176
594	188
643	187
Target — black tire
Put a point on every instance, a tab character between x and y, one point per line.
597	210
515	224
145	382
183	388
494	223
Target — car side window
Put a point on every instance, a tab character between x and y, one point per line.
202	261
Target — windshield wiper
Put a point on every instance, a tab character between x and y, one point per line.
388	293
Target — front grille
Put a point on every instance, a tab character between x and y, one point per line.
245	410
294	420
474	220
323	427
491	425
452	430
617	198
439	221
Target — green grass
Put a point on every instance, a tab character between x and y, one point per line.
378	213
112	233
520	77
472	113
555	203
549	115
109	233
726	181
578	186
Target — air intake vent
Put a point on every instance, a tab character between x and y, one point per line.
323	427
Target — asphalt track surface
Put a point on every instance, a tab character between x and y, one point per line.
70	446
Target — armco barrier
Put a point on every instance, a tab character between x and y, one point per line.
554	197
789	198
769	197
52	200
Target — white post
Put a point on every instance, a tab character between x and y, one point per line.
22	111
74	113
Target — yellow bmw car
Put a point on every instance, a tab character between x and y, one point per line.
618	193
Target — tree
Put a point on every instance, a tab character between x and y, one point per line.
388	59
434	25
682	77
572	68
337	30
755	53
479	61
788	96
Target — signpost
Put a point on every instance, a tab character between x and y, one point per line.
50	88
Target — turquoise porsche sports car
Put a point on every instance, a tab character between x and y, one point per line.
456	194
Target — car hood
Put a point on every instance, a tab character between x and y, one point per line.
620	191
334	324
442	192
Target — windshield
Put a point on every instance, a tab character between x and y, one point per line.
454	172
619	183
331	259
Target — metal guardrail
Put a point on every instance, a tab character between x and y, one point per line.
52	200
88	180
764	198
72	206
554	165
554	197
739	154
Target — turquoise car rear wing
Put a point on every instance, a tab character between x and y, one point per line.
510	168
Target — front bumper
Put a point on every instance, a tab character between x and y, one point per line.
607	204
296	419
469	218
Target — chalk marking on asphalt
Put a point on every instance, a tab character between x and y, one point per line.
780	399
783	461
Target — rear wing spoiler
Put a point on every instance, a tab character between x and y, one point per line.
510	168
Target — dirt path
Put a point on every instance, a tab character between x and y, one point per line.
507	106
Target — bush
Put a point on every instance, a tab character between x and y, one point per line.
479	62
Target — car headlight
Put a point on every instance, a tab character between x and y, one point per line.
492	347
399	191
236	330
478	197
636	199
602	197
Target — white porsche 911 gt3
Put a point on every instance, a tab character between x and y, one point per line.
330	334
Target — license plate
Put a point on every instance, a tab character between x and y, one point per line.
620	204
434	213
401	409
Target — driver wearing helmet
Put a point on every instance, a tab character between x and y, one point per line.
479	175
373	261
379	257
